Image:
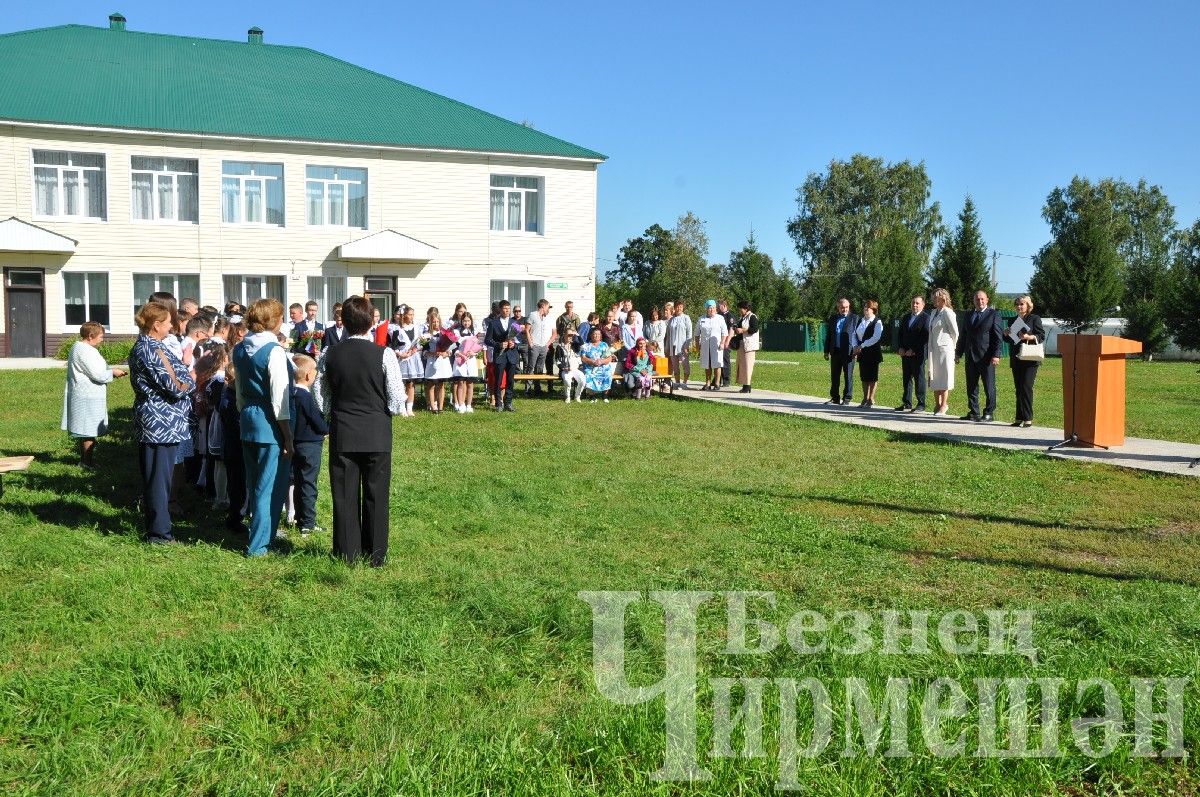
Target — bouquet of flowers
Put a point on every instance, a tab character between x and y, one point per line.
446	340
514	330
310	341
423	340
467	348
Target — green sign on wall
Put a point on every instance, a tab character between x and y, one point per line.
556	286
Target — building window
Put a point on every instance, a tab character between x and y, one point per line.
337	196
520	293
245	289
252	193
181	286
326	292
516	203
86	298
381	292
166	189
69	185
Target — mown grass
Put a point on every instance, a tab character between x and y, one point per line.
1162	398
464	666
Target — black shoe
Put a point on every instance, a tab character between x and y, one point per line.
918	408
509	408
986	418
745	389
846	402
904	408
1016	423
868	404
1026	424
834	401
970	416
497	408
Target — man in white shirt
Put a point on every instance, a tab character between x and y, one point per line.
542	335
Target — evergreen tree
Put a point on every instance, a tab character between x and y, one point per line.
960	265
893	274
1183	286
1146	251
1076	276
787	294
750	275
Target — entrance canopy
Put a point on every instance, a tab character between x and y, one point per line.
21	236
388	245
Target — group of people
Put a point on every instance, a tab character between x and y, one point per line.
238	402
930	345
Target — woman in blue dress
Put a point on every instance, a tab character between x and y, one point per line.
162	389
264	398
598	365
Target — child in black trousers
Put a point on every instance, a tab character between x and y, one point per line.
308	436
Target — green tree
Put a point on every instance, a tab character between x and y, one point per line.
1077	276
960	265
1183	286
750	276
787	294
640	258
845	211
894	274
684	272
1146	251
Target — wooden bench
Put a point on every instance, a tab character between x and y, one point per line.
11	464
663	382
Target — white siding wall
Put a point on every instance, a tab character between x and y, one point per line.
437	198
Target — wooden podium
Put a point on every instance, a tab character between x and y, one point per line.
1100	380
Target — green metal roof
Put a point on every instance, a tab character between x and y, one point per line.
82	75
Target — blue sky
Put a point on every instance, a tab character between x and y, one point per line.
723	109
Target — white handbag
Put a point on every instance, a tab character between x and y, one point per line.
1032	352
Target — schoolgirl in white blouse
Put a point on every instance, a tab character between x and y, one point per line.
466	374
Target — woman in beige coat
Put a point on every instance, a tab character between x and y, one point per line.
943	337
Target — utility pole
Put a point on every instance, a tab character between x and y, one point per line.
994	282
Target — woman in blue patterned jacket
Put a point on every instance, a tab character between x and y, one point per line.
161	388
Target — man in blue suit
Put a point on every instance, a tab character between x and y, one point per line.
499	336
980	340
841	338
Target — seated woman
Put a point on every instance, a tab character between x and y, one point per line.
85	402
570	369
598	365
639	370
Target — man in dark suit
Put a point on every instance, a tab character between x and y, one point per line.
497	337
308	324
334	334
361	389
841	336
912	347
980	340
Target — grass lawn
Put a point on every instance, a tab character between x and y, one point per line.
1162	399
465	665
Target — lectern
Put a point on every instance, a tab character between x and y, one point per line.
1094	401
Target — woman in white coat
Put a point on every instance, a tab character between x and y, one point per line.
85	402
943	337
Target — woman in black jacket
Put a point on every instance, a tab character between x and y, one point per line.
1025	371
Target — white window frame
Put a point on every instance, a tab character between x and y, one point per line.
242	299
260	178
523	293
156	208
34	166
325	300
87	289
345	184
540	192
159	285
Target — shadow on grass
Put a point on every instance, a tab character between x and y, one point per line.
983	517
984	559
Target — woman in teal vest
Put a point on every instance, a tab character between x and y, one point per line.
264	397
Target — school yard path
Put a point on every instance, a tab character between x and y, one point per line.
1160	456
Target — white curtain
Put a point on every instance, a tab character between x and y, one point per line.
497	211
94	186
531	211
189	197
514	211
337	208
45	183
142	198
316	203
231	204
254	201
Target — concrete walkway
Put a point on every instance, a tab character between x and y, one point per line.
30	363
1160	456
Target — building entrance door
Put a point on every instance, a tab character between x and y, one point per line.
25	316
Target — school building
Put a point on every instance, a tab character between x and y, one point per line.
232	170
